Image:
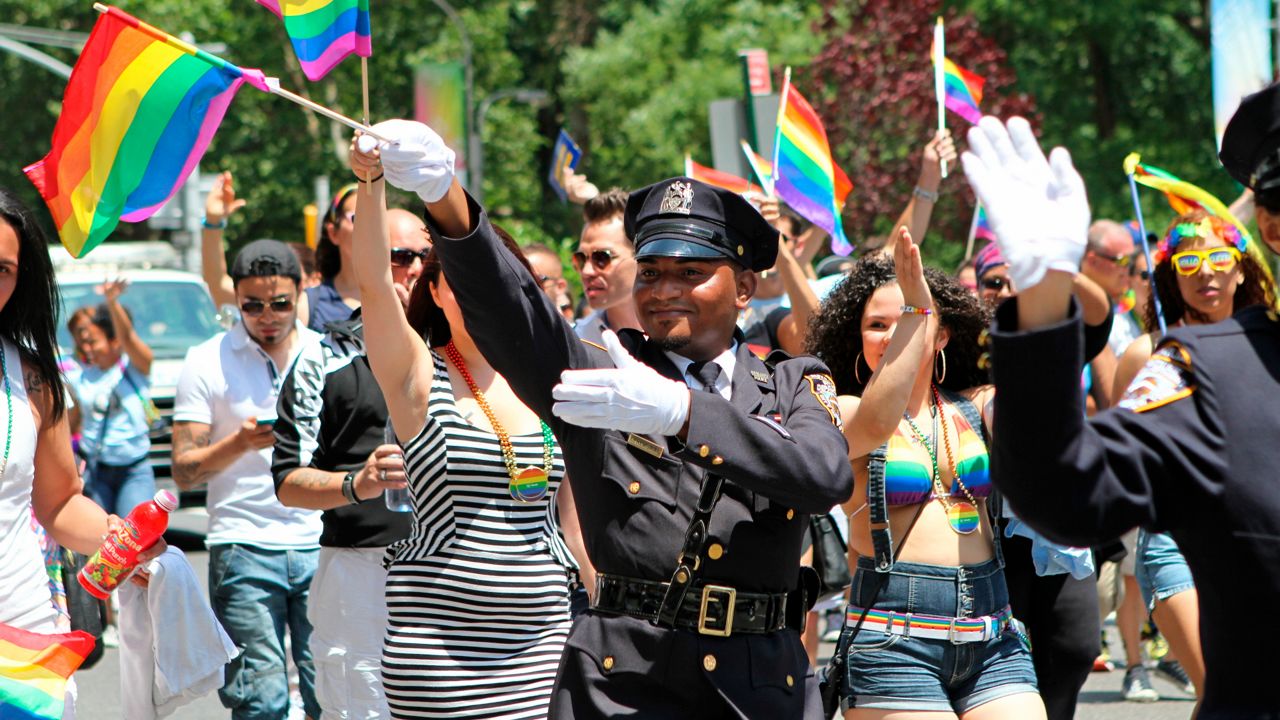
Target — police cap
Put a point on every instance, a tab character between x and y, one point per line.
684	218
1251	143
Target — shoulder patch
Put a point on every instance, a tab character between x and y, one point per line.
1166	378
824	389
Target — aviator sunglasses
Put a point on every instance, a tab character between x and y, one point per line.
403	257
599	258
255	307
1222	259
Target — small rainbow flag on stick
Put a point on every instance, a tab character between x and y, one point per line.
324	32
34	669
718	178
804	175
957	88
138	113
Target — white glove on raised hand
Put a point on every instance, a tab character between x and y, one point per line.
631	397
1037	208
416	160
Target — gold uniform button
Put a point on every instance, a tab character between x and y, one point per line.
715	551
682	577
703	450
634	487
741	249
709	662
608	665
791	682
791	514
717	460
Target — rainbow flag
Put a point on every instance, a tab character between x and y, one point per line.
718	178
762	168
138	112
804	173
962	90
324	32
34	669
982	227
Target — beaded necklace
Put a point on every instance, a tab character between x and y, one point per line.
8	404
962	516
527	484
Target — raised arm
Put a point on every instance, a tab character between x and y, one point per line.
398	356
140	355
220	204
924	196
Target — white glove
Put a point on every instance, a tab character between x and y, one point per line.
631	397
1037	208
416	160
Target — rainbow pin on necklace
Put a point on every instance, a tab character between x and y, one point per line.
527	484
962	515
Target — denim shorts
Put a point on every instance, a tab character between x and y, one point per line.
893	672
1162	571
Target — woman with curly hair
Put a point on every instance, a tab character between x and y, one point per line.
928	628
1202	275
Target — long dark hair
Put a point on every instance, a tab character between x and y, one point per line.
835	333
328	257
424	315
30	318
1254	288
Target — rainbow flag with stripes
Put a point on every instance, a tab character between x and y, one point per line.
34	669
324	32
718	178
138	112
982	227
963	90
804	175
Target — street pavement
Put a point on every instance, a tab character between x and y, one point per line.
99	686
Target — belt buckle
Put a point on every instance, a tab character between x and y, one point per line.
729	601
951	633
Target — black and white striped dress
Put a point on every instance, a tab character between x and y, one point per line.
477	596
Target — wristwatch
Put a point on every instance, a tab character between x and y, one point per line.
349	488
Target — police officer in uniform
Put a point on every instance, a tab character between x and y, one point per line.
1191	449
695	465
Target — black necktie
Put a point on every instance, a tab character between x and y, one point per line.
707	374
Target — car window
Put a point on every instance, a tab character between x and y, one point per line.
170	317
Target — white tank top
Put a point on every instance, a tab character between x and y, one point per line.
25	601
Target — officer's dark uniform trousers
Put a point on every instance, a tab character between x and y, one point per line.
1201	460
782	456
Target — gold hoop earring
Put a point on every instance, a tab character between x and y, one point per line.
856	375
938	378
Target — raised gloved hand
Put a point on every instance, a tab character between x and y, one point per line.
631	397
416	160
1037	207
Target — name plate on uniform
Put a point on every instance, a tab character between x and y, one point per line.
644	444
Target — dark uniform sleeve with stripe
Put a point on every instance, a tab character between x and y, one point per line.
1084	482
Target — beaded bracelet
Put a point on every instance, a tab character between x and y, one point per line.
913	310
220	225
358	179
923	194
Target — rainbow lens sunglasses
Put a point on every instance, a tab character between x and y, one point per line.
1221	259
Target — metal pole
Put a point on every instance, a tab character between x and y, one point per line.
469	82
26	52
527	95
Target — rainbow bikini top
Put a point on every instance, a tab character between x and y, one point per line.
908	471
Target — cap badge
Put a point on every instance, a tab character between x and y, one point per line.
679	199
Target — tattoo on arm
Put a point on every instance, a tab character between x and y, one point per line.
185	439
33	380
310	479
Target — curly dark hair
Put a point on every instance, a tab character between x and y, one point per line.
1255	287
835	334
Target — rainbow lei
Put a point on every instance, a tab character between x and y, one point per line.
1205	229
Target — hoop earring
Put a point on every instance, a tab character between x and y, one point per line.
938	378
856	362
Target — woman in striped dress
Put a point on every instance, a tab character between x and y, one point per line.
478	595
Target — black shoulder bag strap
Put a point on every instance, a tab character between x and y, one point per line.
878	509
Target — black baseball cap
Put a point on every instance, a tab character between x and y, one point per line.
1251	143
265	258
684	218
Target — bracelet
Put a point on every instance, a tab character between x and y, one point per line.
913	310
220	225
358	179
925	194
349	488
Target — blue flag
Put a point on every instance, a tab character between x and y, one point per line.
564	156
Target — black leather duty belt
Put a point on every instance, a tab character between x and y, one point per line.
708	609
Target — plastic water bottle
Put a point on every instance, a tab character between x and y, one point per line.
397	499
118	556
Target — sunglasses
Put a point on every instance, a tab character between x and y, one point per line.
404	257
1117	260
255	307
995	283
599	258
1221	259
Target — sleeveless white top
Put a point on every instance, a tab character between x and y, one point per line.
25	601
